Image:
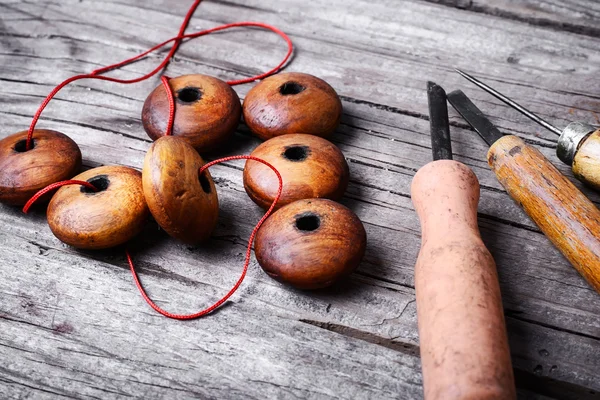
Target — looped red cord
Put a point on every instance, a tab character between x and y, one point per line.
130	260
248	251
177	41
165	82
53	186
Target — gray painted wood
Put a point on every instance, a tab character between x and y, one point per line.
74	322
571	15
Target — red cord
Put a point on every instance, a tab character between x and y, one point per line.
130	261
248	251
53	186
177	41
165	82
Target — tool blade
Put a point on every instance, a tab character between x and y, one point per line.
510	102
474	116
441	144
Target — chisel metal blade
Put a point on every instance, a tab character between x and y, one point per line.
441	144
509	102
474	117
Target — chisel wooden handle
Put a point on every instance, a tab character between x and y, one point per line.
464	349
568	218
586	163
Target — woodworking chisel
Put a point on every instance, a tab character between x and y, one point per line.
578	144
568	218
462	334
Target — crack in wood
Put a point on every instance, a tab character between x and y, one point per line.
523	379
516	315
396	345
553	388
470	5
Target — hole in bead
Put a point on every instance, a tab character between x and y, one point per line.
308	222
290	88
100	182
189	94
204	182
296	153
21	145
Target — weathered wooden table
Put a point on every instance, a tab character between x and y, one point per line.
73	325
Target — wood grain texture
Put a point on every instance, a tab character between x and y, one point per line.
568	218
102	219
311	243
54	345
578	16
207	111
184	203
54	157
586	163
292	102
378	59
464	347
310	167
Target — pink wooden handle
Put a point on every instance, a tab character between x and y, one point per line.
464	348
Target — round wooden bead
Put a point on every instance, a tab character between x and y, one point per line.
183	203
292	103
310	243
310	167
111	216
54	157
207	111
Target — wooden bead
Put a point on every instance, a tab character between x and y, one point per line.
310	167
207	111
292	103
54	157
183	203
111	216
310	243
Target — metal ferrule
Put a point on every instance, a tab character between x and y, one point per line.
570	139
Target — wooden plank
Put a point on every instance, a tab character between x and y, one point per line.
88	335
577	16
380	74
383	75
168	268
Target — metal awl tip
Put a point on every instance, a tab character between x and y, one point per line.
509	102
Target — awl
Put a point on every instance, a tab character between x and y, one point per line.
578	144
462	334
568	218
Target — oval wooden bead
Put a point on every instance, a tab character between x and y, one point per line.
183	203
310	167
86	219
207	111
292	103
54	157
310	243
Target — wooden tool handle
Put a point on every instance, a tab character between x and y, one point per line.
464	349
563	213
586	163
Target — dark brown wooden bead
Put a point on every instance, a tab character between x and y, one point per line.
54	157
86	219
310	167
292	103
311	243
183	203
207	111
